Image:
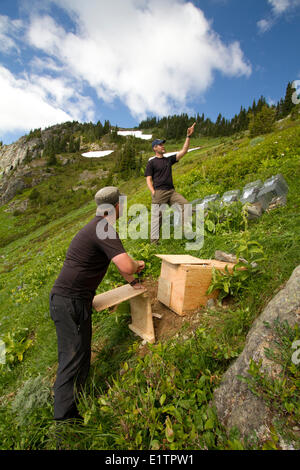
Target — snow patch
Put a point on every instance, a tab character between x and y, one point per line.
137	134
98	154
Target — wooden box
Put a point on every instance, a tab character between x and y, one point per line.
184	281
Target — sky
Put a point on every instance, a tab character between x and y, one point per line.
126	60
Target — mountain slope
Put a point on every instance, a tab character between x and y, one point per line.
155	397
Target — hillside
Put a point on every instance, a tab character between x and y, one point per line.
143	396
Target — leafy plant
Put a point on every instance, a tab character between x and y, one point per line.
225	217
236	281
16	343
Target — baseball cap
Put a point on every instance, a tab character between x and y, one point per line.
107	195
157	142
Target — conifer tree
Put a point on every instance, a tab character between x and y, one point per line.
288	104
262	122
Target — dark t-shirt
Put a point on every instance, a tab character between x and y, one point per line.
161	171
87	261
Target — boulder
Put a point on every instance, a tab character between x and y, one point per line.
230	258
230	196
278	184
273	187
208	199
236	405
12	188
250	192
196	201
226	257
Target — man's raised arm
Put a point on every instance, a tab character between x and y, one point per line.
186	145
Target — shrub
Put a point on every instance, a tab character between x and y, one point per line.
34	394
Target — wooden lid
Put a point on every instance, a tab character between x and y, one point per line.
192	260
180	259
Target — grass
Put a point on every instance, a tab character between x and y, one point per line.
161	399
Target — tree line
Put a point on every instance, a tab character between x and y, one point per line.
174	127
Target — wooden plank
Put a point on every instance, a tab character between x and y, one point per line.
116	296
164	291
141	315
181	259
174	276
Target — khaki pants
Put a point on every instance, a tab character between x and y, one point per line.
162	196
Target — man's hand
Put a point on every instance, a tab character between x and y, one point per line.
141	266
190	130
186	145
139	284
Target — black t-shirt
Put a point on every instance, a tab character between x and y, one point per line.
87	260
161	171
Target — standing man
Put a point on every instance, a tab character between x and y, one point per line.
160	182
87	260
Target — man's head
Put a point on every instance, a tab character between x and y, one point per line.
107	200
158	146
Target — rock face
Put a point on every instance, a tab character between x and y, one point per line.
14	154
236	405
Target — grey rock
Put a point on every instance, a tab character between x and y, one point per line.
14	154
208	199
250	192
273	187
264	197
230	258
279	184
226	257
10	190
235	403
196	201
230	196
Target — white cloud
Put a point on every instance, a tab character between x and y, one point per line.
278	7
8	32
33	102
265	25
152	54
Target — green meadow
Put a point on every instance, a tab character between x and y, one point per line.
156	396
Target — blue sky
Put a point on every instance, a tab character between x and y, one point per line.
125	60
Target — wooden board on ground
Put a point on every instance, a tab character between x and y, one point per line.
140	307
115	297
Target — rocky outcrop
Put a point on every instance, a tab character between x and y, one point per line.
14	154
21	178
236	405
